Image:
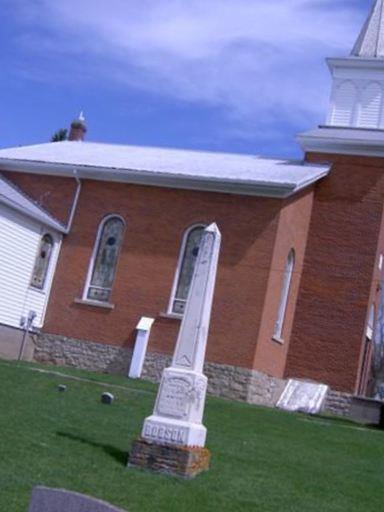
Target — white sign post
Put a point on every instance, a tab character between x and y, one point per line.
141	344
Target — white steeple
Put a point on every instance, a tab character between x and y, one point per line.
357	99
370	43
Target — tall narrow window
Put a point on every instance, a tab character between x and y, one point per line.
187	260
104	260
284	295
43	258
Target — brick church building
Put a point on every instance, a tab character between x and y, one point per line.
96	236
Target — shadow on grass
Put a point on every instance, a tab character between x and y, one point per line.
119	455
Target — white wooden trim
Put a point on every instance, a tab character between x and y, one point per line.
179	265
43	233
94	253
284	295
57	239
343	141
95	303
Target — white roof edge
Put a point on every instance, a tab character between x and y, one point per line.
141	177
341	140
41	218
33	210
354	62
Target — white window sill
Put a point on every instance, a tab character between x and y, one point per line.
42	291
173	316
277	339
97	304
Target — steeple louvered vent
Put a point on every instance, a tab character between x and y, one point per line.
357	99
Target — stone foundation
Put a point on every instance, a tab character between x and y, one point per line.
223	380
337	403
58	350
181	461
361	409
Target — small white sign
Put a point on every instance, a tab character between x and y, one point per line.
145	323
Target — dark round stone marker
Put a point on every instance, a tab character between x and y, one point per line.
107	398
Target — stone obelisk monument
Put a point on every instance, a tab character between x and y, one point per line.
173	437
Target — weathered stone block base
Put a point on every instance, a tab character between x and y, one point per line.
226	381
183	461
356	408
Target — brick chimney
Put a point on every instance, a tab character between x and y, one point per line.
78	128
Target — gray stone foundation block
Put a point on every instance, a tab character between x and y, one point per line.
58	350
338	403
367	411
223	380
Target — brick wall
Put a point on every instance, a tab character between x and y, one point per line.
337	283
328	323
156	219
53	193
292	233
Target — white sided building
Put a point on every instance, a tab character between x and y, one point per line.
30	240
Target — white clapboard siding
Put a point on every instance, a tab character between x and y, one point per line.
344	101
371	98
19	242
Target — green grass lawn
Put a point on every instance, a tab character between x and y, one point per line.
262	460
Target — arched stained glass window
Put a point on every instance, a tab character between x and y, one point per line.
187	260
43	258
284	295
105	258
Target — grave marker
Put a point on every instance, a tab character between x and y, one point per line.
178	412
45	499
107	398
302	396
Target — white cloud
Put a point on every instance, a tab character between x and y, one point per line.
256	59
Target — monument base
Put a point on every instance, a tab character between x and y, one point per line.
184	461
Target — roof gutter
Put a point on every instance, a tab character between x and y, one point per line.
68	227
141	177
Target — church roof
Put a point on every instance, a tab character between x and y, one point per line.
370	43
175	168
11	196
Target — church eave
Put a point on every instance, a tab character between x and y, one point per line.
343	141
230	186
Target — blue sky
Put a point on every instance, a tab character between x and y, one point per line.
221	75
